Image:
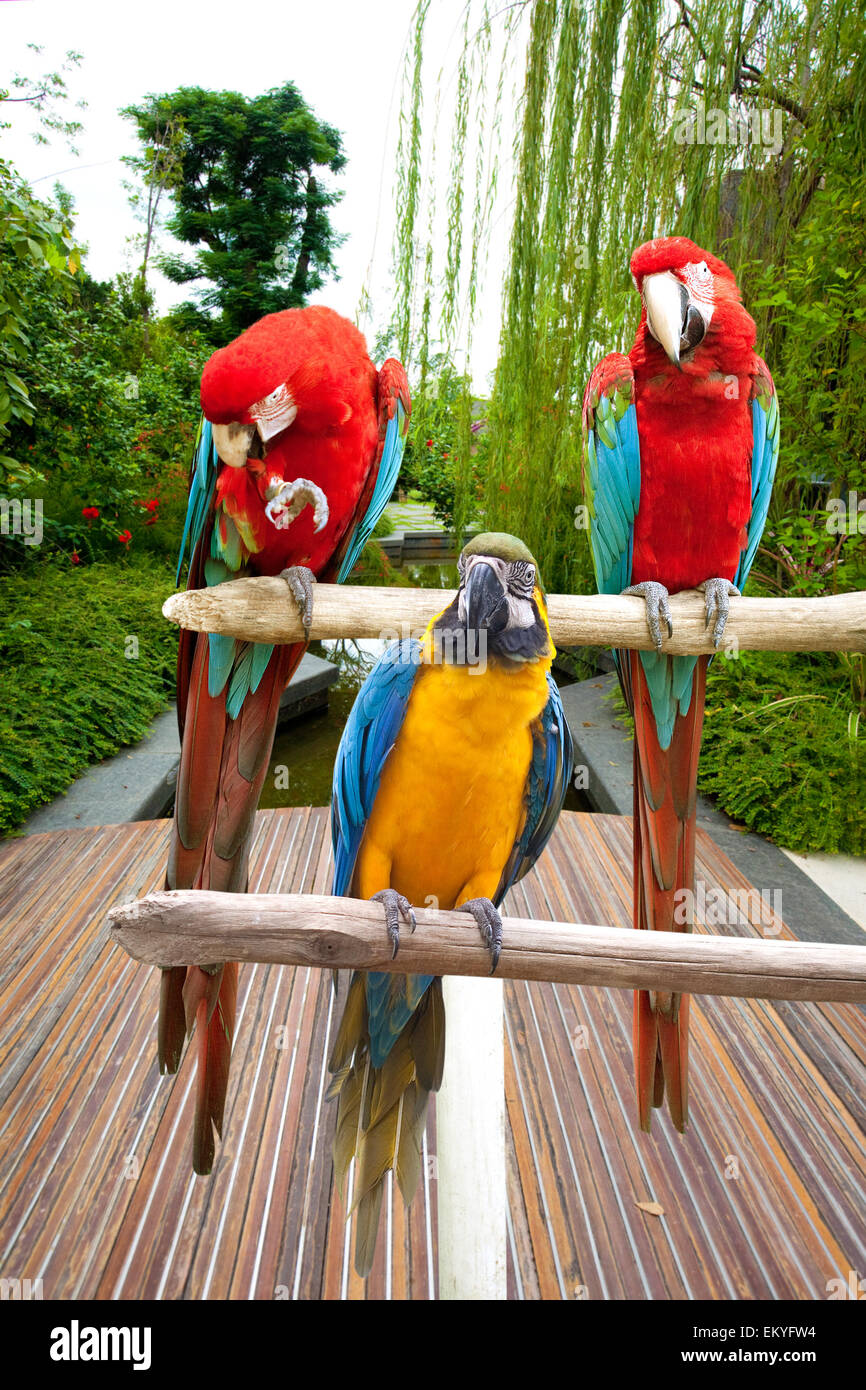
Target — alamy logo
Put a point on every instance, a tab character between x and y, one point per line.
21	517
77	1343
709	125
853	1287
735	907
20	1290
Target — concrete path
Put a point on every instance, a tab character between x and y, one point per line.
412	516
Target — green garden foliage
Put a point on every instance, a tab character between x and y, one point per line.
784	753
444	415
35	241
108	437
783	750
86	661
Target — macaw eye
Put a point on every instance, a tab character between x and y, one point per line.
273	397
521	577
703	271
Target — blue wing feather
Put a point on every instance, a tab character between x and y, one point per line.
386	479
612	480
241	665
371	730
370	733
201	491
765	456
550	772
612	484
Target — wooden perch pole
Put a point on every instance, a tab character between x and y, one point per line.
196	928
262	610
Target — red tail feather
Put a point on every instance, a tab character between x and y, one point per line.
665	796
222	768
215	1027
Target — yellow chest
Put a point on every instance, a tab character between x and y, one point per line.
451	796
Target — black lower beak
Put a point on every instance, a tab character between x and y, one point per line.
693	329
486	600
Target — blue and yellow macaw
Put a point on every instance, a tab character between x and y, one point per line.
449	779
682	440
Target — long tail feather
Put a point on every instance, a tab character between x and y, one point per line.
382	1110
665	798
222	768
215	1026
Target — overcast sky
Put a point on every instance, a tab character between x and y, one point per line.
345	56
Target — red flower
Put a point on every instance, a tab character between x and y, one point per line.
151	504
76	558
90	512
125	537
429	443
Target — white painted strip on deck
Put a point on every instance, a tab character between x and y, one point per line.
470	1143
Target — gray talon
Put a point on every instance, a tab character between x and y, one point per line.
656	598
300	580
716	593
489	924
395	906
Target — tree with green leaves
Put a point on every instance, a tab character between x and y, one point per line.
46	96
159	169
34	235
249	199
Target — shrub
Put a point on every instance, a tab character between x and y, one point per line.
86	661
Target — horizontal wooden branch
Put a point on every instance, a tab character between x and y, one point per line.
190	927
263	610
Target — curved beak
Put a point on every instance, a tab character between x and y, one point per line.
673	320
233	442
486	599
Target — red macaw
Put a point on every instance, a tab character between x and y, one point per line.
297	456
682	439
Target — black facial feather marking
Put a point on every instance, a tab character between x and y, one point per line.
521	578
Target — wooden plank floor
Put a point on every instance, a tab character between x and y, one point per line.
763	1197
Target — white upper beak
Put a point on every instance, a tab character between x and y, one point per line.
666	300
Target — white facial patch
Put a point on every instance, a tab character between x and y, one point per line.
698	280
520	612
275	413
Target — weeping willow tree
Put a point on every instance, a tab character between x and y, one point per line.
734	122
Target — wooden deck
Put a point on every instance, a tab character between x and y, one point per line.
763	1197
